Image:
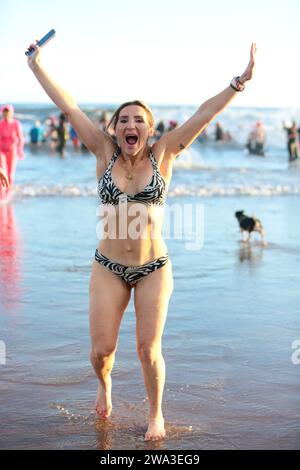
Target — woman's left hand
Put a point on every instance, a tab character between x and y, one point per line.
3	179
247	75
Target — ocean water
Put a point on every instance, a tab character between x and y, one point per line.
233	317
202	170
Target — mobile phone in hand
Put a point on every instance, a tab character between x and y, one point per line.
42	42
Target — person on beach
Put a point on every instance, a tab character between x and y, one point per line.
291	133
74	138
62	135
172	125
256	139
130	172
11	142
51	133
221	135
160	129
36	134
219	132
103	121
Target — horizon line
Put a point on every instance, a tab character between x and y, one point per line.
116	104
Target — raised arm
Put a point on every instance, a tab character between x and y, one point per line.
173	142
99	143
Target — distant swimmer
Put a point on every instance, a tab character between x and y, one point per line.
256	140
36	134
222	136
172	125
160	129
219	132
292	134
74	138
62	134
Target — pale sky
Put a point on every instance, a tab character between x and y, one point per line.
160	51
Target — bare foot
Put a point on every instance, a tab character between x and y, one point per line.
103	404
156	429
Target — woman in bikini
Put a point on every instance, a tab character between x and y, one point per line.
133	176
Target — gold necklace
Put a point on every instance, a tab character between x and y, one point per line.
129	176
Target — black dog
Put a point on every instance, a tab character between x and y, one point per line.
249	224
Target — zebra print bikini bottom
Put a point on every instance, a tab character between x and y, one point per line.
131	274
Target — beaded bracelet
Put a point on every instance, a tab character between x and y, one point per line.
236	84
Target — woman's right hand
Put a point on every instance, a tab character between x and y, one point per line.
34	58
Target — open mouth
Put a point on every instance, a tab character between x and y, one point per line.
131	139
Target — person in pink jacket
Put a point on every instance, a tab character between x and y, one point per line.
11	142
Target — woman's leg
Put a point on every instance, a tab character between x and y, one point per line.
12	160
109	297
151	298
290	151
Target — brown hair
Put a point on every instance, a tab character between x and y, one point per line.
115	117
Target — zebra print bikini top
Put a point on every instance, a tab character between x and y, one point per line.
154	193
